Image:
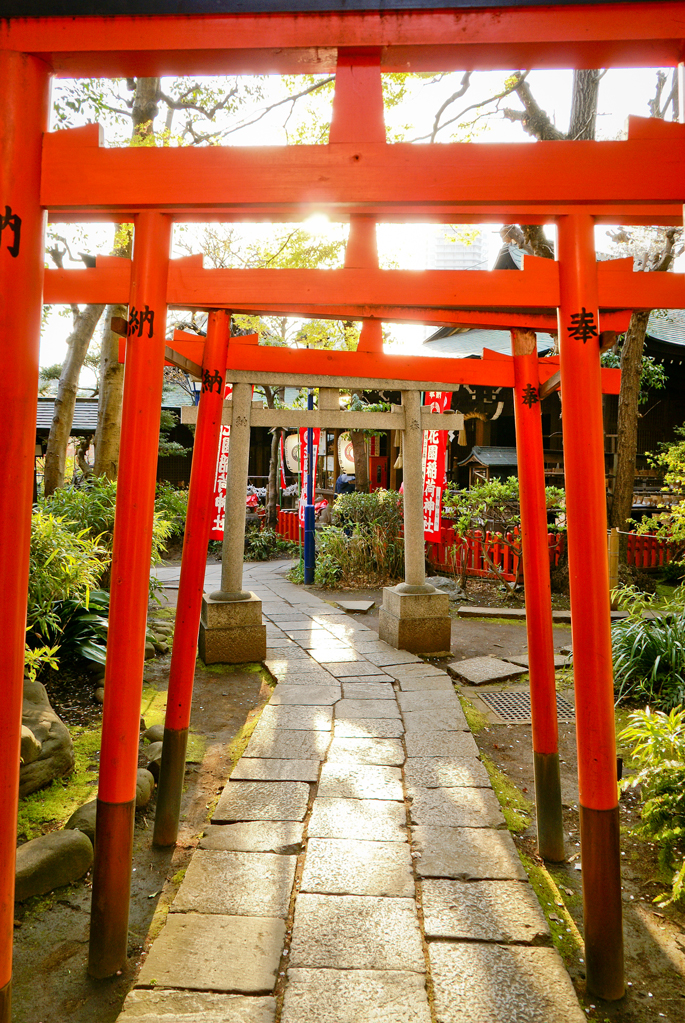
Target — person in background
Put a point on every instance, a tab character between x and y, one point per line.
345	484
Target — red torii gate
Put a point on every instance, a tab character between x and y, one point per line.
578	185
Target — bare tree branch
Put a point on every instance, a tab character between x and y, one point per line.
473	106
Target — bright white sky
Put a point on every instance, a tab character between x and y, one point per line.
622	92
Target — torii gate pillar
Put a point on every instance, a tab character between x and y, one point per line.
414	616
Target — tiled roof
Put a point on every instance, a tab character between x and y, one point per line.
491	456
470	343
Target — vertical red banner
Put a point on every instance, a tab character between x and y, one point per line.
434	477
282	461
217	530
304	466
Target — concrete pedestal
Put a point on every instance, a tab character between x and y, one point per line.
231	632
418	622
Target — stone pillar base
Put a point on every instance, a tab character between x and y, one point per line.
418	622
232	632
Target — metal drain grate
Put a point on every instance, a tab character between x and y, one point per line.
514	708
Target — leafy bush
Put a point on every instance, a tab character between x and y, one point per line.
363	555
265	544
659	753
172	505
649	653
382	508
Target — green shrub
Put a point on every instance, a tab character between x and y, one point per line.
382	508
362	555
659	754
172	505
649	653
265	544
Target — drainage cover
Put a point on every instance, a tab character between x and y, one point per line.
514	708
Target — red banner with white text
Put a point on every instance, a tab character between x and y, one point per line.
217	530
304	466
434	477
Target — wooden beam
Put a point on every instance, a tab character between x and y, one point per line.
333	419
633	34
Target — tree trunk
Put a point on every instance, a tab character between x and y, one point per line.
85	323
584	105
361	469
272	491
626	444
111	389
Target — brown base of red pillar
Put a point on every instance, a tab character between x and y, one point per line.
6	1003
548	807
601	859
111	888
170	788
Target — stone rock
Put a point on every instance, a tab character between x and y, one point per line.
145	786
467	854
356	606
369	820
158	1004
478	671
51	861
56	757
234	883
100	694
83	820
348	867
262	801
447	585
154	756
354	996
161	648
30	746
149	651
503	911
155	733
355	781
283	837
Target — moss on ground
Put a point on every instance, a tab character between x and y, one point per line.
515	807
565	934
475	719
153	712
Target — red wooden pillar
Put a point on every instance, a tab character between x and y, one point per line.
543	697
191	585
24	88
129	594
581	394
358	117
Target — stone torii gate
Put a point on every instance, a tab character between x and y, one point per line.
357	178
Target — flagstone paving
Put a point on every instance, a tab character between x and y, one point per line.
357	868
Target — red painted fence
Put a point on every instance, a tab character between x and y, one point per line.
288	524
649	551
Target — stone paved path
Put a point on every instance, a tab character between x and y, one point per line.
357	868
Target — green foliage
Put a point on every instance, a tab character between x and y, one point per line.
653	376
171	504
265	544
659	754
649	653
670	524
167	422
491	505
82	628
363	555
383	508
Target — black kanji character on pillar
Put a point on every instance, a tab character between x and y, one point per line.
12	221
209	379
137	321
583	325
531	396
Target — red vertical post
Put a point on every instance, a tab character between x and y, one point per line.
534	540
191	584
590	616
143	377
358	116
24	88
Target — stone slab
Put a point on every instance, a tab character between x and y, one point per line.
343	654
289	620
276	645
371	642
383	658
418	635
480	983
221	614
282	837
287	744
356	932
368	690
269	769
367	679
356	606
365	728
383	752
216	953
481	671
169	1006
441	744
301	696
366	709
307	677
436	719
523	661
467	854
351	669
370	820
418	670
429	699
515	614
426	683
243	645
355	996
444	772
262	801
504	911
348	867
316	718
456	808
347	781
236	884
415	605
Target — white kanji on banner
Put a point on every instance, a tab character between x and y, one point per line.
434	445
220	476
304	463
